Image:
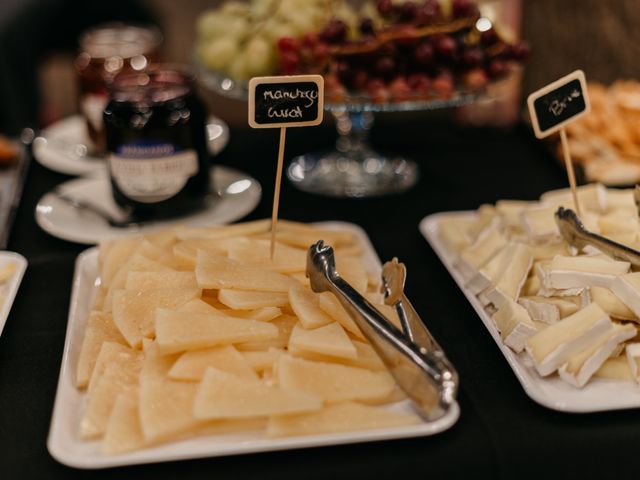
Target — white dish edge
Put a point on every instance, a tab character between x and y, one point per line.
64	445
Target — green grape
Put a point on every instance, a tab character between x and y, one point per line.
260	57
209	23
236	8
262	8
238	68
218	53
274	31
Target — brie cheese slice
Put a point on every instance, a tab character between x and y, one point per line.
615	368
627	289
591	197
490	242
555	345
549	309
579	369
632	352
510	283
540	223
492	270
510	210
514	325
578	272
611	304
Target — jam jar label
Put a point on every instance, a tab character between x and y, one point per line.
151	172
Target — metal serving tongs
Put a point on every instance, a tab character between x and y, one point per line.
415	360
575	233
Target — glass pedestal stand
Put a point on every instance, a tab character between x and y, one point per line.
352	168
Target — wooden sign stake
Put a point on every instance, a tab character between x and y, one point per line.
555	105
568	163
276	191
282	102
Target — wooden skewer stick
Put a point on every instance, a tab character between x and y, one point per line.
569	166
276	192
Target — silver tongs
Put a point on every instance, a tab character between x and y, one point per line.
415	360
575	233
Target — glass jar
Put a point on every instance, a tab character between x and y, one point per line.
156	141
106	51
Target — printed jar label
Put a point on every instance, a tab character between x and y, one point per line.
149	179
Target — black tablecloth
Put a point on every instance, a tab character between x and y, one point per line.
501	432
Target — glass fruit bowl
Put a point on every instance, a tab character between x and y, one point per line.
353	168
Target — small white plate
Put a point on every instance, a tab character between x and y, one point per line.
62	147
9	289
238	194
65	445
598	395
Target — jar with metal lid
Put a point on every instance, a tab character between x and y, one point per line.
156	141
105	52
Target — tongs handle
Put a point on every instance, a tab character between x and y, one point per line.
421	371
575	233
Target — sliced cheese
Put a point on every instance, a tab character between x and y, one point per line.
578	272
632	352
329	340
615	368
627	289
191	365
611	304
549	309
554	346
514	324
248	300
510	283
540	223
488	243
580	367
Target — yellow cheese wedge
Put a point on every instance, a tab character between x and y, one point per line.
191	366
341	417
116	257
164	238
134	310
332	307
352	270
555	345
159	280
178	331
223	395
198	306
248	300
100	328
264	314
221	273
258	253
284	324
136	263
223	231
329	340
117	378
332	382
453	232
185	251
111	353
366	357
123	432
614	224
306	305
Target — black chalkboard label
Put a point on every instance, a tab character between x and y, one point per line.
561	102
291	101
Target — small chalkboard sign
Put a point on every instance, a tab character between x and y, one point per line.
558	103
293	101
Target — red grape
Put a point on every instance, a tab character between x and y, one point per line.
464	8
288	44
321	52
426	14
289	62
489	37
446	47
399	89
334	32
443	85
385	7
423	54
408	11
310	39
520	51
497	68
472	57
476	79
418	82
378	91
385	66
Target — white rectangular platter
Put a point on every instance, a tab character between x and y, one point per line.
552	392
65	445
9	289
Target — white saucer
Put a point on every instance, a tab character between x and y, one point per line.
238	195
62	146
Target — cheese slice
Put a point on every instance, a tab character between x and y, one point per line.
155	280
488	243
332	307
343	417
632	352
217	272
329	340
510	283
223	395
306	305
615	368
615	224
540	223
262	360
549	309
546	251
284	325
190	366
511	211
492	270
514	324
123	432
247	300
554	346
452	232
333	382
592	197
578	272
580	367
627	289
177	331
611	304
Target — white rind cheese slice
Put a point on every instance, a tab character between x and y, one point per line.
554	346
591	197
579	369
512	279
615	368
488	243
548	309
627	289
514	325
578	272
492	270
540	223
611	304
632	352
